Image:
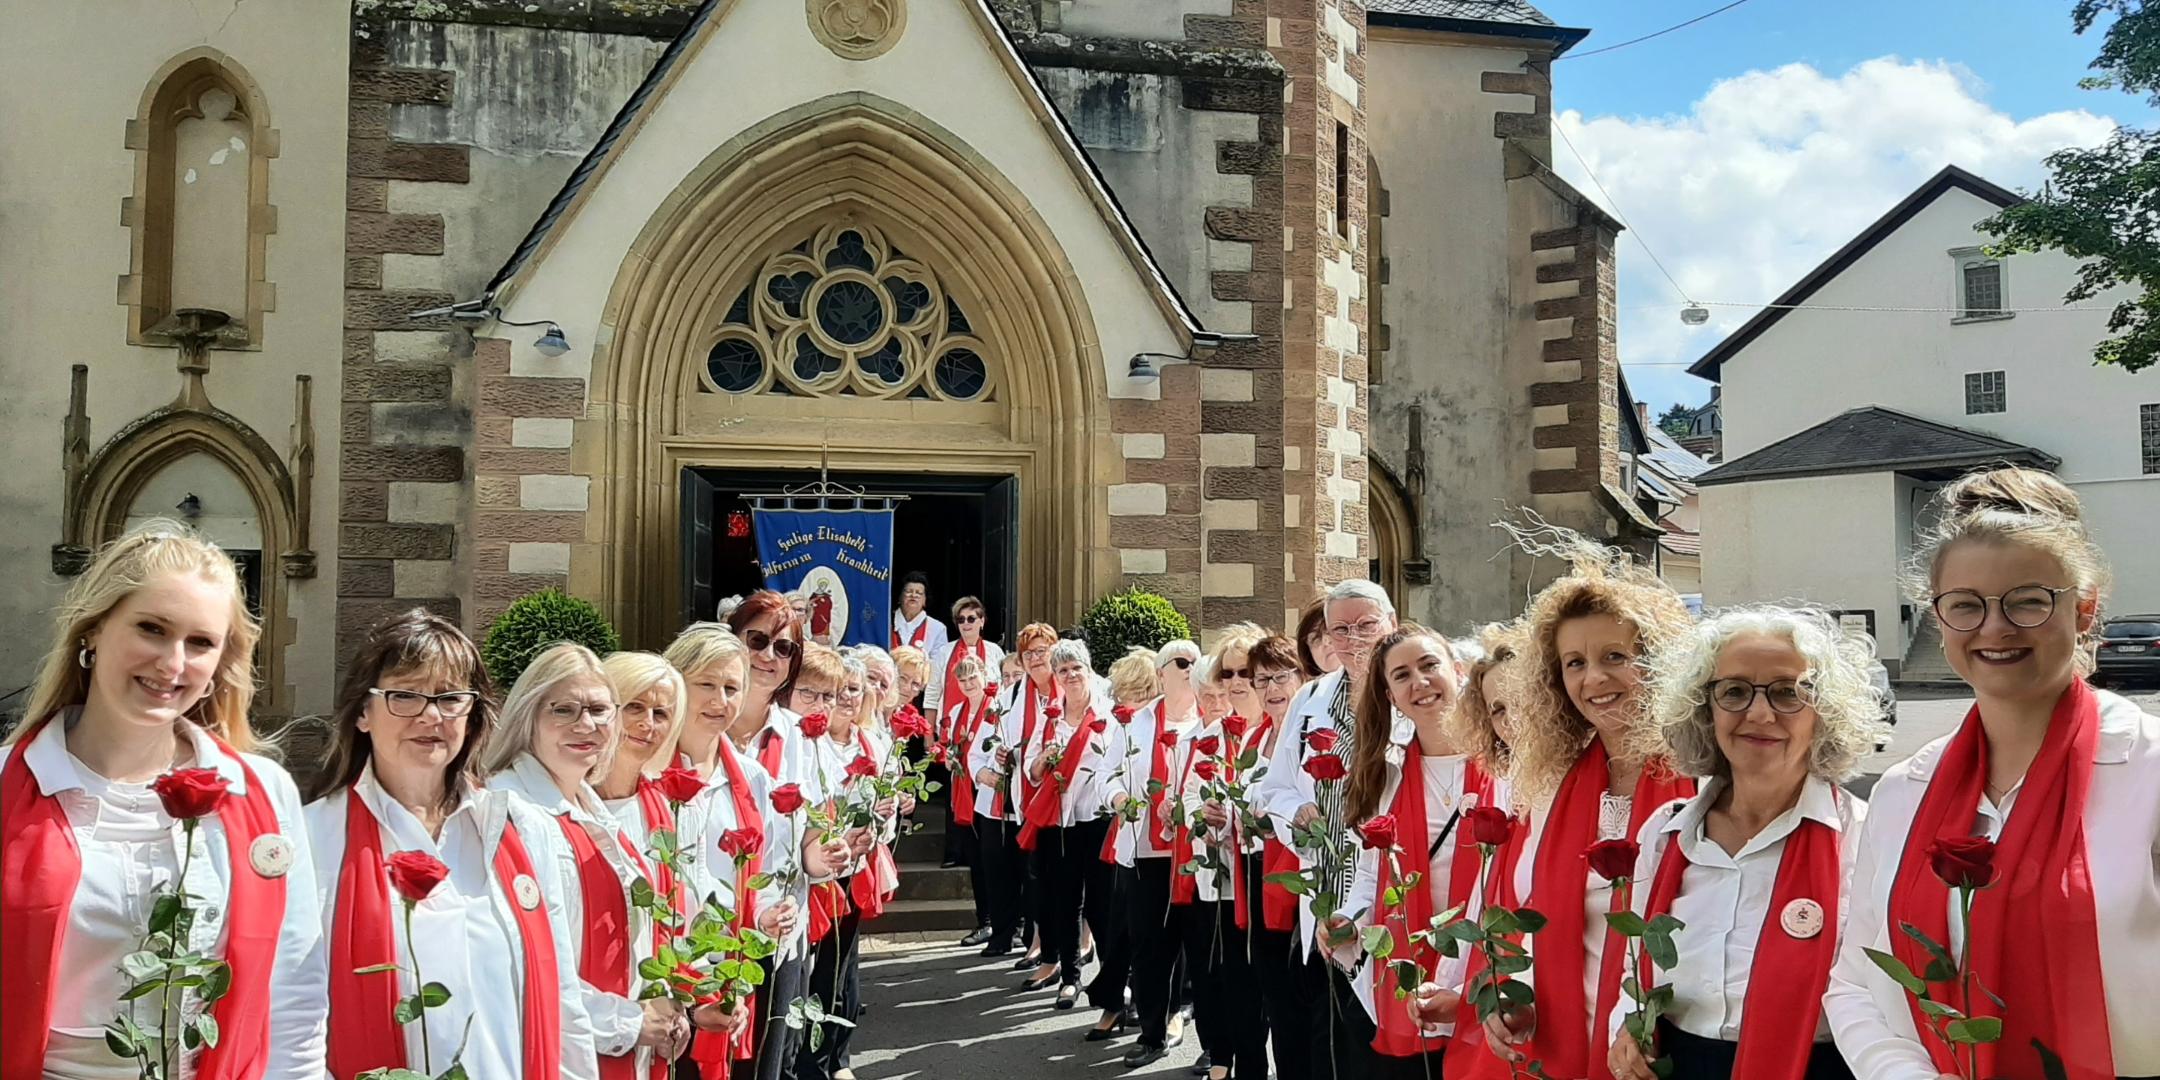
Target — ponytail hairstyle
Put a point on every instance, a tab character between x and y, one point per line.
120	568
2014	506
1376	722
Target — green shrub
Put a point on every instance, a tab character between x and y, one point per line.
1120	621
533	623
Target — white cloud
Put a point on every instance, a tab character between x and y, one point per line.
1772	171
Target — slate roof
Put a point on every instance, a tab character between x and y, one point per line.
1671	459
1505	18
1874	439
626	121
1950	177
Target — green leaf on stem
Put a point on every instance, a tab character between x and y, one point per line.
164	911
120	1042
1942	967
1516	993
142	988
1898	972
1530	921
204	1028
1408	976
1626	924
138	966
434	995
1663	952
1974	1030
1292	883
1666	924
217	980
1378	943
407	1011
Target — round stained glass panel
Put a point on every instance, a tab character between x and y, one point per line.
735	365
851	312
960	373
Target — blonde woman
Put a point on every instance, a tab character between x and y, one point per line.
558	730
1071	767
2058	775
148	682
1577	695
412	717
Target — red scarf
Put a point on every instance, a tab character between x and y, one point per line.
963	779
1789	974
1558	879
771	744
1471	1059
41	869
711	1052
1397	1032
863	889
1184	887
363	1035
922	632
1046	806
2035	937
828	905
1027	736
1241	908
604	961
960	648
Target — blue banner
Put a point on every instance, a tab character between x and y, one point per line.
840	562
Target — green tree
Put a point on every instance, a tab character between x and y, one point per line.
1676	420
1134	617
535	621
2102	205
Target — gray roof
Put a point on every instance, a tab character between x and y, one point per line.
1667	456
1504	18
1874	439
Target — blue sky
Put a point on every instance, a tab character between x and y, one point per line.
1805	119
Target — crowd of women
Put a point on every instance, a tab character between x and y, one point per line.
1606	840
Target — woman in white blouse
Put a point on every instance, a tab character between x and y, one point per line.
1150	778
558	729
1020	722
1407	771
1771	709
1227	1006
2058	775
415	709
150	673
1070	765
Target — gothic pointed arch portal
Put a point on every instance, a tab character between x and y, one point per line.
968	348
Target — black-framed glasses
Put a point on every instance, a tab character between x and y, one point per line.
568	713
449	705
822	697
1230	673
2026	606
1280	678
1182	663
759	641
970	617
1786	696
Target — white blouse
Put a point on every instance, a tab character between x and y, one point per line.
1138	839
973	758
465	933
1010	727
1868	1012
1724	901
129	849
941	661
1442	777
1102	756
783	836
1185	779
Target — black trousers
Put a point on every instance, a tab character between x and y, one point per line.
1156	933
996	881
1274	963
1110	889
1339	1034
1226	998
1697	1058
1020	868
1060	863
835	981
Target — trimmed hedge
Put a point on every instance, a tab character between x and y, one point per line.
1122	620
534	622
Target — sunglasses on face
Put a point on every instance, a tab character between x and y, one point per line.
1182	663
759	641
968	619
1230	673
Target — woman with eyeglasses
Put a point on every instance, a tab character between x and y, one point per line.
971	619
1070	766
414	714
1156	927
558	731
1020	707
967	717
1266	911
1771	709
2057	774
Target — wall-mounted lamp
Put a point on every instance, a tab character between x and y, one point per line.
190	507
1143	366
551	343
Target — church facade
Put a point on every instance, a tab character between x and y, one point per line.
442	302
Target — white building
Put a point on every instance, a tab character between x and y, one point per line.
1906	359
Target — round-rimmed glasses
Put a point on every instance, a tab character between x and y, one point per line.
1786	696
2025	607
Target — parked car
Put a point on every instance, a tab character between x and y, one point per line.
1879	677
2129	650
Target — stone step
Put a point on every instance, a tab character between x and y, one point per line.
929	881
914	916
926	845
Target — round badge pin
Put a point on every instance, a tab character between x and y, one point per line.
1802	918
271	855
528	891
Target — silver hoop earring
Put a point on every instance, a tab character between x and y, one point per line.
83	657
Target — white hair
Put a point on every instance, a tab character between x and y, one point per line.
1360	589
874	657
1068	649
1171	650
1848	725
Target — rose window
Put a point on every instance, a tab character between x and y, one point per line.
846	313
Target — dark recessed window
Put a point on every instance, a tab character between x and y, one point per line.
1985	393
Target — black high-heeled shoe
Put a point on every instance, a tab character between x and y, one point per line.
1041	983
1105	1034
1026	962
1068	996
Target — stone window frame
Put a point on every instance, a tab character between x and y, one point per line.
146	290
1987	392
1965	261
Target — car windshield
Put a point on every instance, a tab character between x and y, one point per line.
2132	630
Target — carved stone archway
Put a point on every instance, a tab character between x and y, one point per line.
849	158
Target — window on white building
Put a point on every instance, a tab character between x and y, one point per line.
1985	392
2149	437
1980	291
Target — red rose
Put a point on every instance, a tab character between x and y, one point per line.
1965	862
1052	711
990	688
1613	859
1326	767
862	766
814	725
741	843
681	785
1205	769
1124	714
1209	746
1491	825
190	793
909	724
787	798
415	874
1167	738
1379	833
1322	740
1234	726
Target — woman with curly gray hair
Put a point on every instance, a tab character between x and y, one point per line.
1771	708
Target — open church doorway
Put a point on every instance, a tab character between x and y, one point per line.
962	532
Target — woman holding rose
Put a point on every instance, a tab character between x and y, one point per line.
129	771
1150	779
1771	709
2041	807
414	711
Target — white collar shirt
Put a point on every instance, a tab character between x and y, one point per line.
1137	839
941	665
1868	1012
979	725
934	634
